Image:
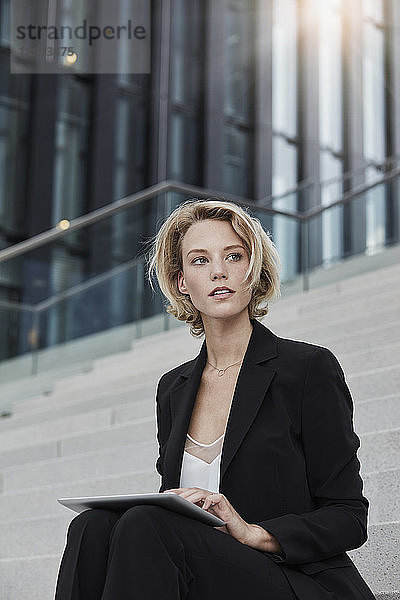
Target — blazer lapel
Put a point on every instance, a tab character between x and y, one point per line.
252	384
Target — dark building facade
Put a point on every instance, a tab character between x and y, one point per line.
290	103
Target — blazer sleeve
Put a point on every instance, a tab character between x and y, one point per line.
162	427
339	521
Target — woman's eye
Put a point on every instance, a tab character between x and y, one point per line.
237	254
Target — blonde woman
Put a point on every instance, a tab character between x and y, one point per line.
257	429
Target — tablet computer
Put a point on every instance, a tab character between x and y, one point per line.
121	503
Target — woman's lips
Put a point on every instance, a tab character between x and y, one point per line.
223	296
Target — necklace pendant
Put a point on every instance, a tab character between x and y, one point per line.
220	372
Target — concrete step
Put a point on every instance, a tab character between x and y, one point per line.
363	385
385	355
29	577
378	356
377	560
25	451
127	423
38	536
335	307
130	458
377	414
358	287
341	325
380	450
17	445
98	453
354	340
42	501
37	426
54	429
91	398
379	487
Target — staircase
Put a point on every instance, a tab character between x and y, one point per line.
95	433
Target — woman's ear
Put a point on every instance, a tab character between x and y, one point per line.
181	283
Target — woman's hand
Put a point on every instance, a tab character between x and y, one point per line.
217	504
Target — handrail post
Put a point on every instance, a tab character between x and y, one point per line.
304	254
35	341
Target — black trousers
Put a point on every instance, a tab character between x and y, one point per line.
152	553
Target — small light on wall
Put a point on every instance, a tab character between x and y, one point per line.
70	59
63	224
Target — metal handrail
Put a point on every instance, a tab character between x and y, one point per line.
83	286
349	196
76	289
56	233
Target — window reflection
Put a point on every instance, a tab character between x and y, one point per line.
284	160
284	67
15	92
186	91
71	149
330	76
238	97
330	127
374	121
374	87
332	220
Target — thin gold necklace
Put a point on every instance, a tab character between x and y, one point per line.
222	371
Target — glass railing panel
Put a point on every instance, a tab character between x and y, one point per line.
18	335
343	234
286	234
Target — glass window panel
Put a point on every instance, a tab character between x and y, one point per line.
284	67
71	149
236	161
130	144
238	42
14	131
186	51
177	138
331	168
284	177
5	22
330	76
186	64
284	166
375	212
373	94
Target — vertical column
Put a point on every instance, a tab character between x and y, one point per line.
41	154
392	19
214	95
263	100
100	176
354	225
35	278
393	26
309	118
161	32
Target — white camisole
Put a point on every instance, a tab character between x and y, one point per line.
200	464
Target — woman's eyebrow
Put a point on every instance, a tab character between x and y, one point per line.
226	248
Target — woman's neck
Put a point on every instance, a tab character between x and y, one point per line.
227	342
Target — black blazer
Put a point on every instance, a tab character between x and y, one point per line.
289	460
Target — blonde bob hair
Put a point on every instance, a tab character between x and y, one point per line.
165	257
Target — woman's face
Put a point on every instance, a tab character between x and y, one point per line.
209	263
